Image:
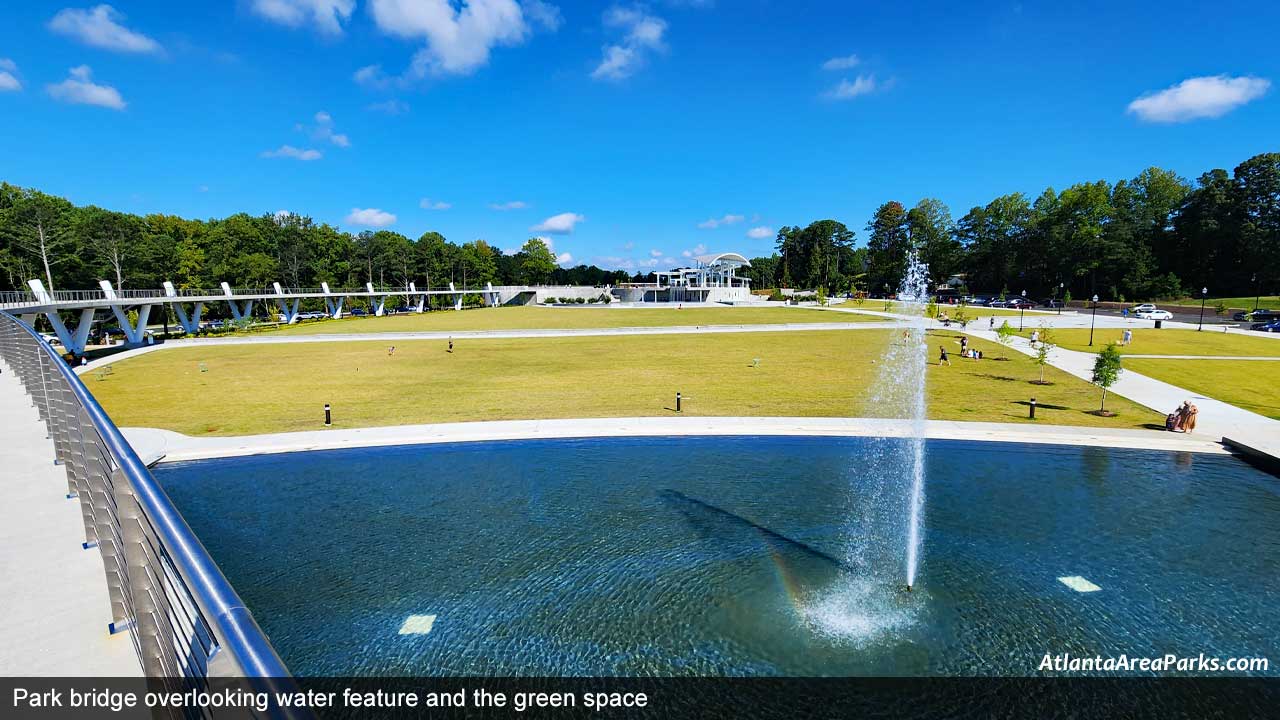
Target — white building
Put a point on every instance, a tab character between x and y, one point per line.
712	280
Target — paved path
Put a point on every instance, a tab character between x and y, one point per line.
1217	419
53	593
1194	357
151	443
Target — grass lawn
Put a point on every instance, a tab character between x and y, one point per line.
1271	302
1245	384
1149	341
531	317
281	387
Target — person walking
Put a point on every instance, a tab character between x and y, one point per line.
1126	337
942	358
450	344
964	344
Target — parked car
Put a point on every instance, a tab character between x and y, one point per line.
404	309
997	303
358	313
1143	308
1154	314
1273	326
1020	303
1260	315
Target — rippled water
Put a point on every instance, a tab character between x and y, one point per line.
709	556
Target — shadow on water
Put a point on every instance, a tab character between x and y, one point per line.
705	517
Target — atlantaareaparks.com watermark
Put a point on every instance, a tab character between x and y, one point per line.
1066	662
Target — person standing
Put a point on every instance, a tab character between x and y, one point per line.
942	358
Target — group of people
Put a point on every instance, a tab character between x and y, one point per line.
1183	419
965	352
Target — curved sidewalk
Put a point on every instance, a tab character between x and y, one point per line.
54	592
152	444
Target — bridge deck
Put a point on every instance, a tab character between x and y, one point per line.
54	593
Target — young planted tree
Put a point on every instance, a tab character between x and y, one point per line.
1042	353
1004	335
1106	370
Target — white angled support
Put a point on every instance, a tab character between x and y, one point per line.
168	289
37	289
226	289
457	299
421	298
379	303
74	341
108	291
190	323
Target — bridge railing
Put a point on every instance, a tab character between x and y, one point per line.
189	628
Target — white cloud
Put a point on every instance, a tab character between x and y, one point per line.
8	75
391	107
370	217
655	253
324	131
698	249
289	151
326	15
512	205
861	85
1200	97
713	223
79	88
760	233
280	215
841	63
561	224
429	204
564	258
459	39
642	34
371	76
98	26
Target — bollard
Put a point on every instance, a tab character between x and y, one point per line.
328	418
677	402
1033	408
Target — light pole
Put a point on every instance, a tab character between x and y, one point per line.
1064	302
1094	320
1022	310
1257	293
1204	293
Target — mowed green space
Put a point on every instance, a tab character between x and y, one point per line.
1149	341
1247	384
263	388
533	317
1271	302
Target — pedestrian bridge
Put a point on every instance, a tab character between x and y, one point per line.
189	304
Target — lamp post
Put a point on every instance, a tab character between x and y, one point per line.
1094	320
1257	293
1022	310
1204	293
1064	302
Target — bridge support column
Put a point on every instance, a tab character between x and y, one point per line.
134	335
457	299
334	306
413	292
288	310
75	340
239	312
379	303
190	323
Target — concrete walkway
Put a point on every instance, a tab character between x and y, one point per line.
1217	419
54	592
152	443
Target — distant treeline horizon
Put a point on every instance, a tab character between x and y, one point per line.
1154	236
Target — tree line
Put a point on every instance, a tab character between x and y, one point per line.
70	247
1154	236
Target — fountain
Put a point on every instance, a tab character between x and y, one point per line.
869	602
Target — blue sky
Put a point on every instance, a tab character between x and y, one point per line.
617	130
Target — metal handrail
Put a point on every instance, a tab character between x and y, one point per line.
189	626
